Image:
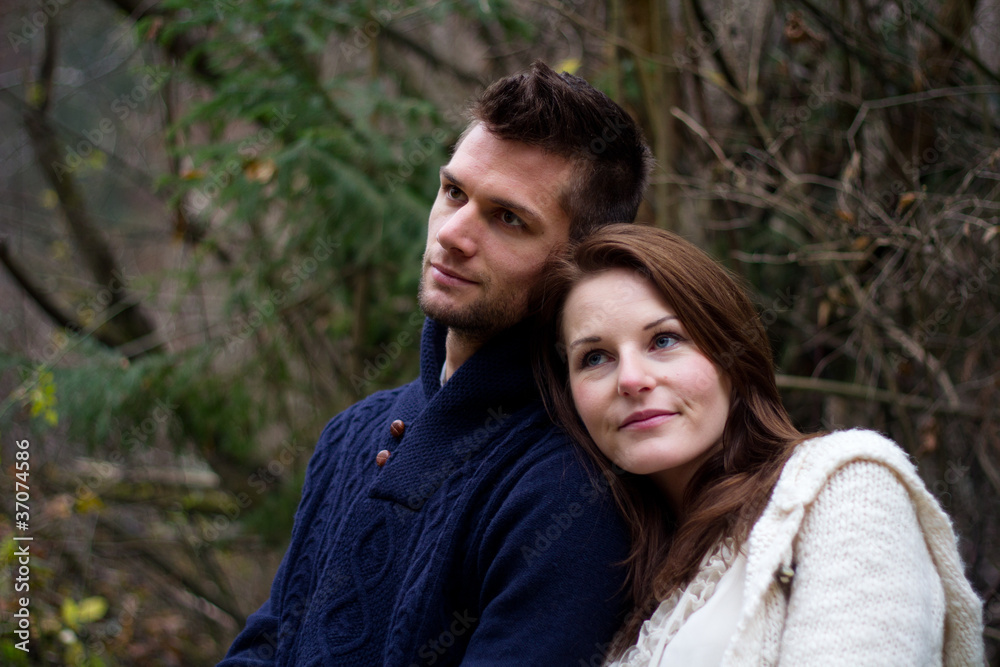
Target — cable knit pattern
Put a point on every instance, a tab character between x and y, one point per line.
877	575
480	529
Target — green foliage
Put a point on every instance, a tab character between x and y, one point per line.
319	179
303	147
10	655
42	396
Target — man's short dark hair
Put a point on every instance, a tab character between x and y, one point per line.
564	115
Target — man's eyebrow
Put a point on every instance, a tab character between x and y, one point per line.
448	176
520	209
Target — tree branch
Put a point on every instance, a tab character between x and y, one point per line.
180	46
55	311
59	317
154	557
434	59
866	393
97	256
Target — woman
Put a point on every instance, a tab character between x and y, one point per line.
753	544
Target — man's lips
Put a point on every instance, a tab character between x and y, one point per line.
646	419
447	276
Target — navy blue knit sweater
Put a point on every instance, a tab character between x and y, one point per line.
481	541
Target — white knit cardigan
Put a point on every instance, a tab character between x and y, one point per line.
876	578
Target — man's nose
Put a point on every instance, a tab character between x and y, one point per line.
459	233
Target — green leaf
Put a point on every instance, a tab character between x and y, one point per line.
70	613
92	609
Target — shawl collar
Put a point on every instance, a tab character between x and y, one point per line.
452	428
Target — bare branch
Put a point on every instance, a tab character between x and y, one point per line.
868	393
94	248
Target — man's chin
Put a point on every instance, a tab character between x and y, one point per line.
437	307
450	317
474	320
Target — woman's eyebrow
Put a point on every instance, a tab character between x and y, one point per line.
659	321
588	339
597	339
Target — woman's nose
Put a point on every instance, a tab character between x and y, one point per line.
634	376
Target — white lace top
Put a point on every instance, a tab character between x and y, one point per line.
695	624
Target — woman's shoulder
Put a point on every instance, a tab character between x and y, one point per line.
862	489
817	459
870	461
838	447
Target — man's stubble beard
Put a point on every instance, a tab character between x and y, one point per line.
478	321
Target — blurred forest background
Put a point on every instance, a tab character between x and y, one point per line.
212	214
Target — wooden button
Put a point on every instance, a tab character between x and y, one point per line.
396	428
382	457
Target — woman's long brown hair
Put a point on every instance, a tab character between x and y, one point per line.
730	490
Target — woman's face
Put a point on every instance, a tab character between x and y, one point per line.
652	402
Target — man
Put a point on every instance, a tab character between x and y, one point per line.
447	521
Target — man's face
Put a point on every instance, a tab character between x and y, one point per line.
495	220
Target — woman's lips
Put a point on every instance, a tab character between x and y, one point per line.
646	419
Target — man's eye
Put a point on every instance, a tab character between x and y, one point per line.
510	218
453	192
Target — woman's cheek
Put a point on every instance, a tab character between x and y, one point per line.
583	400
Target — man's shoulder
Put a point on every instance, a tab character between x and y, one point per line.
548	502
367	410
542	459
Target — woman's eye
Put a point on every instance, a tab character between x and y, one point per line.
665	340
593	359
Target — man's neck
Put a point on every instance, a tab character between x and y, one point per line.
459	348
